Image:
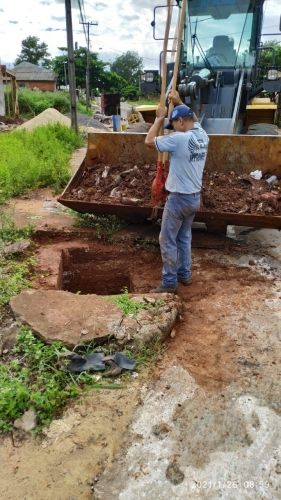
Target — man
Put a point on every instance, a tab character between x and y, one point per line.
188	151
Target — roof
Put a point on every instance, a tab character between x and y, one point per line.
30	72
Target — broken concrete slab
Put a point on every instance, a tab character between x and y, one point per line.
56	315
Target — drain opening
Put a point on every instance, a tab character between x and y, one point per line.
93	273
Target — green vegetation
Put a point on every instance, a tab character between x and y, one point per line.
32	103
131	307
34	52
147	102
14	278
105	225
14	270
37	378
37	158
147	354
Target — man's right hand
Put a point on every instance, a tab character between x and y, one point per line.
174	97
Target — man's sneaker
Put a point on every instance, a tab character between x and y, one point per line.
185	281
164	289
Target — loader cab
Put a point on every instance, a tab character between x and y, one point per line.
219	54
223	32
149	81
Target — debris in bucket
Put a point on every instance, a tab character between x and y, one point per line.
97	362
257	174
272	178
130	184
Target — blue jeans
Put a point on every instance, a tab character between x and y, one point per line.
175	236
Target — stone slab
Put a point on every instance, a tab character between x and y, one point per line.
56	315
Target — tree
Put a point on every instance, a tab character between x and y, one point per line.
104	81
34	52
266	55
128	66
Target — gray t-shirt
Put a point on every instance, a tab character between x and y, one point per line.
188	152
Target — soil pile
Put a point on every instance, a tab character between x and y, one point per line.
129	184
92	124
50	115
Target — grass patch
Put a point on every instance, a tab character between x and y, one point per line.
105	225
37	378
144	102
146	354
14	277
15	270
33	103
82	109
37	158
129	306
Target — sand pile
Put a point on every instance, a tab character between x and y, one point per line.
50	115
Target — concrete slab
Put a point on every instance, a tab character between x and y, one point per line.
56	315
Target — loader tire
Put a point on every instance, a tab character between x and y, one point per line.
133	118
262	129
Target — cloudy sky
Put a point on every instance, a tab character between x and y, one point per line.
122	25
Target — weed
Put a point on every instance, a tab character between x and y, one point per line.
14	277
14	273
131	307
105	225
9	231
43	155
32	103
37	378
145	354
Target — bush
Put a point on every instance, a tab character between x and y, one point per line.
32	103
38	158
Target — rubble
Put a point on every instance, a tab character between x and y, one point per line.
130	184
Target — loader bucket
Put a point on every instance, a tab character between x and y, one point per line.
227	153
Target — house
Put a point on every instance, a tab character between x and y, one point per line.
35	77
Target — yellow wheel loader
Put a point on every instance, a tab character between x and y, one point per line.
219	76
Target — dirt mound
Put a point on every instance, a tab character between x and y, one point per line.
50	115
90	123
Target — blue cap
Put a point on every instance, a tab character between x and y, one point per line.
178	112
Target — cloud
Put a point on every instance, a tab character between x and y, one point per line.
1	10
130	18
52	29
45	2
58	19
74	3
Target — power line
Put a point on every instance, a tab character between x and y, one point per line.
83	21
88	65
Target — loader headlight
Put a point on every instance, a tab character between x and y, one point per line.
272	74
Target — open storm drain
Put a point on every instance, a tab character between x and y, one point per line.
87	272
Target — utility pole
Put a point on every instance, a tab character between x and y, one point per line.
71	67
88	63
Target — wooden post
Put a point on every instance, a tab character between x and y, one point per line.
2	99
15	97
